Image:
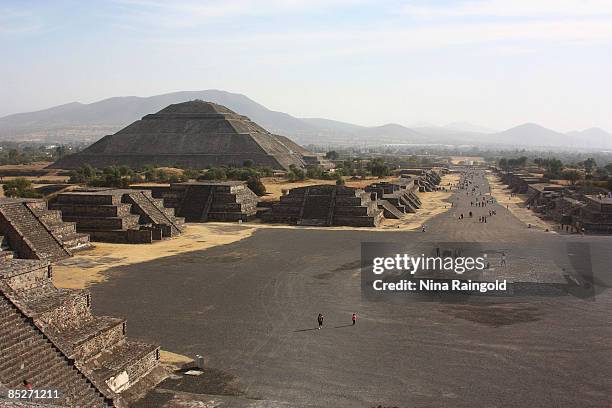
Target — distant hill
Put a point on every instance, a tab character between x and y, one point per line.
597	136
89	122
534	135
114	113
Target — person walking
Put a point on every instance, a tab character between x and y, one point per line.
320	320
354	318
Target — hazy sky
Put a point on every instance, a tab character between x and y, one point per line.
497	63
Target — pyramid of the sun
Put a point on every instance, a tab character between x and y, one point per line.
193	134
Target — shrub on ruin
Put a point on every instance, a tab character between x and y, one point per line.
295	174
21	188
83	174
192	174
214	173
265	171
256	186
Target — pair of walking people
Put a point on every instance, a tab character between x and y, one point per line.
320	319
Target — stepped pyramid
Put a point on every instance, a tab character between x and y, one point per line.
33	231
193	134
118	215
325	205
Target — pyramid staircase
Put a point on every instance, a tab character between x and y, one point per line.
97	344
325	205
118	215
27	353
34	232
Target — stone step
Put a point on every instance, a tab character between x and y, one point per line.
35	240
134	358
28	354
98	334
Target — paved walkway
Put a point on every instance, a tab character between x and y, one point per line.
250	308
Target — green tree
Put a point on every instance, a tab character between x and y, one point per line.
20	187
332	155
378	168
572	175
295	174
589	164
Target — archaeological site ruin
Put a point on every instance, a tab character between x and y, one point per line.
50	336
209	200
396	198
193	134
35	232
325	205
572	208
118	215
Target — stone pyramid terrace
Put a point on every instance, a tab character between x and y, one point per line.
34	232
50	337
396	198
27	353
193	134
118	215
325	205
209	200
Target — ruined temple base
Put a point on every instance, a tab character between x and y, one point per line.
515	205
432	204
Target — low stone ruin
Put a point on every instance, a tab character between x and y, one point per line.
519	181
573	208
426	179
118	215
325	205
209	200
596	215
34	232
396	198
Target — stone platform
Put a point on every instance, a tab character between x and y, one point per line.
209	200
325	205
118	215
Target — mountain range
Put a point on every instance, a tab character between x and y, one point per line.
88	122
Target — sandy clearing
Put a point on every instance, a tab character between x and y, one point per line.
90	266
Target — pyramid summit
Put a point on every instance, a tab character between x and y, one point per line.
193	134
